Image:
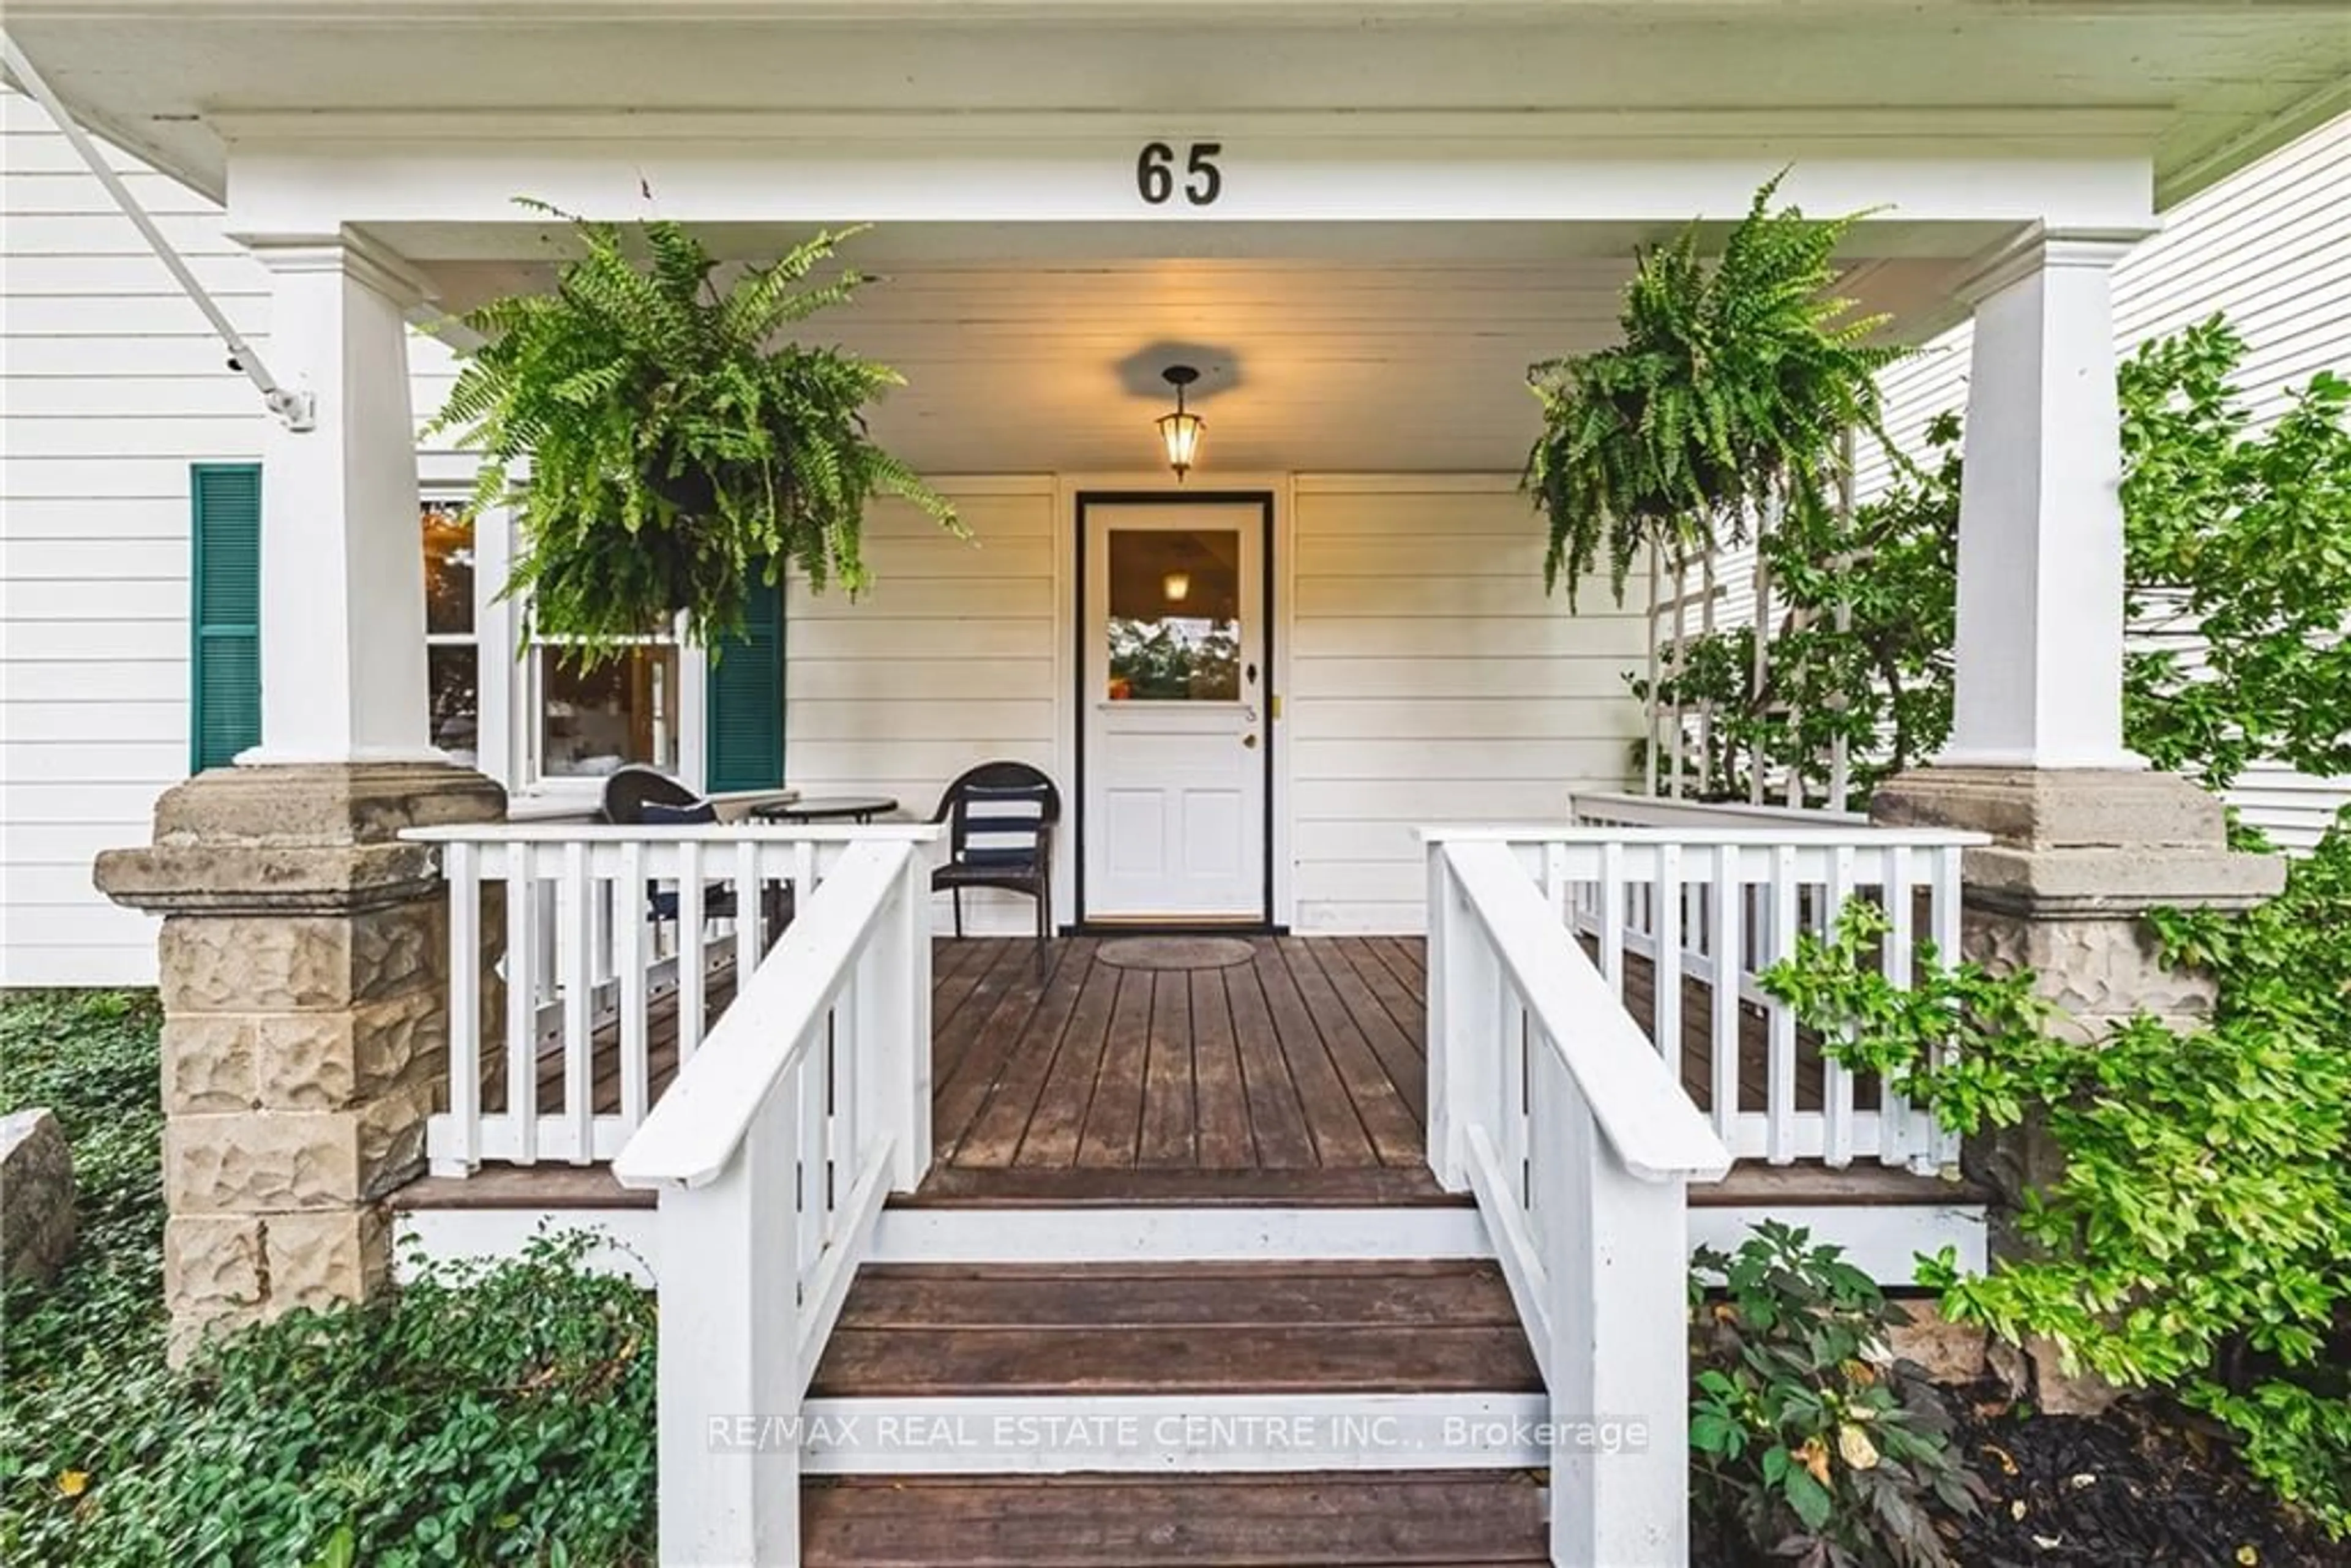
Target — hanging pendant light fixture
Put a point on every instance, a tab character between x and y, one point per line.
1180	431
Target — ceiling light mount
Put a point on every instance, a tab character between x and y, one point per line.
1180	432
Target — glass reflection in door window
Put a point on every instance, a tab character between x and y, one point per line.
1174	626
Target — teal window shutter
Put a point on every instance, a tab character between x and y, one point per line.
744	728
225	612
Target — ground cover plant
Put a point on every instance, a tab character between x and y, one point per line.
479	1416
2196	1240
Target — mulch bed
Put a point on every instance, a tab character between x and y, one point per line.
2140	1485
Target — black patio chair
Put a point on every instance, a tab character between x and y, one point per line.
646	797
1001	818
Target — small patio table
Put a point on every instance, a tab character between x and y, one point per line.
858	808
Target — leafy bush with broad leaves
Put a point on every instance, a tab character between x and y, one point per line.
482	1414
677	451
1731	394
2237	571
1808	1446
2199	1237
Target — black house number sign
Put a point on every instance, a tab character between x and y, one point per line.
1158	176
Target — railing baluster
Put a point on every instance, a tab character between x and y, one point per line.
805	1095
692	971
1666	900
1780	1078
1895	1112
628	956
749	908
1612	916
1838	1136
1944	915
522	1005
1729	901
455	1139
576	912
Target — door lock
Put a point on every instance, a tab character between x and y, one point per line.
1249	741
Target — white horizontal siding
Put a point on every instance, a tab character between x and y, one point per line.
947	661
111	384
1431	680
114	385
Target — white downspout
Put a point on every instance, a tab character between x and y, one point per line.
297	409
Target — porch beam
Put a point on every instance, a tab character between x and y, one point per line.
2087	169
2039	651
342	573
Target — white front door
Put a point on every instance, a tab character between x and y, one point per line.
1174	706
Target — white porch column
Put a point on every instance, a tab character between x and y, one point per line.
342	569
2039	645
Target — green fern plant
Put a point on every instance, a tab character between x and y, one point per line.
1730	392
678	451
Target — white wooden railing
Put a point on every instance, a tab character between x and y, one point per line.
1718	894
559	950
772	1154
1546	1102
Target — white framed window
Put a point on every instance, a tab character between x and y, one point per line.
516	709
586	722
453	650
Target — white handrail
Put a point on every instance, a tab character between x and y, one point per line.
772	1156
1548	1103
1658	810
702	1121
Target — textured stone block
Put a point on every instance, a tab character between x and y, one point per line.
319	1260
36	1195
212	1063
298	962
2098	972
262	1162
333	1061
213	1263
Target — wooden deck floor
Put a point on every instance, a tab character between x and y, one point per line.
1298	1073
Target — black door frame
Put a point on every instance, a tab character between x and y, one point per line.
1263	501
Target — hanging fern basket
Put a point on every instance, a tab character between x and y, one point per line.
680	448
1728	395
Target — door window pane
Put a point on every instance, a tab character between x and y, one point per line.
1175	616
453	679
624	710
448	571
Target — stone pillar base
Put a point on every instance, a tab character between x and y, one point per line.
304	970
2079	857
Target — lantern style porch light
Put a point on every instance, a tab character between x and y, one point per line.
1180	430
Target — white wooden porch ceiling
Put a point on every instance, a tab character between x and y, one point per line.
1320	366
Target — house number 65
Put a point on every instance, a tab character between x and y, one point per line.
1154	173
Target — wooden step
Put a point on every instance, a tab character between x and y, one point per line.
1240	1521
1285	1328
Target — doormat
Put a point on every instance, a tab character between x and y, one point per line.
1174	952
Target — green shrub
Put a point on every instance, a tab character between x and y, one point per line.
1809	1444
2199	1237
481	1415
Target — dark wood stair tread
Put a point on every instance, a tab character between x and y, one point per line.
1226	1327
1368	1187
1118	1521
